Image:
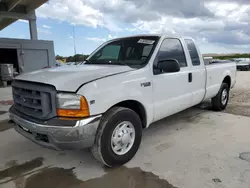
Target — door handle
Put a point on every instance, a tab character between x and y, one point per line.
190	77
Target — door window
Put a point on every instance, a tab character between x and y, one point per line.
193	52
172	49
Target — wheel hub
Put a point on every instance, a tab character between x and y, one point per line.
123	138
224	97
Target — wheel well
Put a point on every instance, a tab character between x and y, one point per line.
227	80
137	107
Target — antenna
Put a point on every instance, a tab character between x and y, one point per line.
74	38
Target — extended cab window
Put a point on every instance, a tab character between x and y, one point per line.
193	52
126	51
172	49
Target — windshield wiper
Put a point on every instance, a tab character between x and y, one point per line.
87	61
118	63
105	62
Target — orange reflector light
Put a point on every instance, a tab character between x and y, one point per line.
82	112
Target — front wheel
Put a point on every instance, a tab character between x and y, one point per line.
219	102
118	137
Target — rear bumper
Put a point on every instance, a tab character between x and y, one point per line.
79	136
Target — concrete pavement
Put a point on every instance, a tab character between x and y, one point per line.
5	93
5	100
193	149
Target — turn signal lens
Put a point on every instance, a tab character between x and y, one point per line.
82	112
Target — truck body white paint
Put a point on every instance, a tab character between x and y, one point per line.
128	84
169	93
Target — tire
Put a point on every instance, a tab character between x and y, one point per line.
103	149
218	104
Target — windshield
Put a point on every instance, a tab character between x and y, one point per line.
126	51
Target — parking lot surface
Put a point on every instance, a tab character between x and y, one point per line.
193	149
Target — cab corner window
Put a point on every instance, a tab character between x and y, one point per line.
172	49
193	52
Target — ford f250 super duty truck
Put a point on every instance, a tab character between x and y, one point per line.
123	87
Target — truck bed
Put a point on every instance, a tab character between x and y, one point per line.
216	72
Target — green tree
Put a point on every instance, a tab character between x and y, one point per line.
77	58
58	57
245	55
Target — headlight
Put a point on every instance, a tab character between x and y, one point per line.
72	105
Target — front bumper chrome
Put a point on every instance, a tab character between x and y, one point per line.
79	136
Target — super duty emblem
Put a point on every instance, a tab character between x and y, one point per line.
146	84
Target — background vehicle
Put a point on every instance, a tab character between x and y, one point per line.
207	60
243	65
122	88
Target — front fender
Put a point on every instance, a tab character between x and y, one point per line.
104	93
225	74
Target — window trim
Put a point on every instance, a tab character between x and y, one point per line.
156	57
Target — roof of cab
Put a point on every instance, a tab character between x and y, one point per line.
154	35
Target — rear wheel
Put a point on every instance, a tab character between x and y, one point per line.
118	137
219	102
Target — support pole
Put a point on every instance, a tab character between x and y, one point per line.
33	28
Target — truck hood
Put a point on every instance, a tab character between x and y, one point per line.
70	78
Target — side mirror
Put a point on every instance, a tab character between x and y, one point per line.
169	65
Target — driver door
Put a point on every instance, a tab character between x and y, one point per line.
172	91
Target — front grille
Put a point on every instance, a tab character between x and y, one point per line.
34	99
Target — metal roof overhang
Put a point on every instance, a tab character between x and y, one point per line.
12	10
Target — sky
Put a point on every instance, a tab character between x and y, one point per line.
218	26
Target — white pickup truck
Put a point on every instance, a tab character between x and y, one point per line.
123	87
